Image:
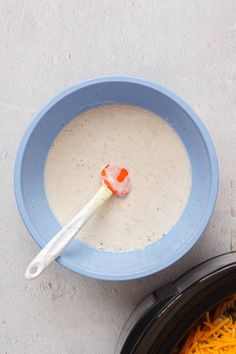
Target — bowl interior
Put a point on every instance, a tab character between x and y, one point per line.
29	177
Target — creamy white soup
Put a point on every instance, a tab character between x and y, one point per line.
157	162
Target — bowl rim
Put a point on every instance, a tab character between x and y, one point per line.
193	116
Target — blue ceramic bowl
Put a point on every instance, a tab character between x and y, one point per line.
33	150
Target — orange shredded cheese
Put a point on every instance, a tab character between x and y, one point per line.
216	333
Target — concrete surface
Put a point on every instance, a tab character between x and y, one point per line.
45	46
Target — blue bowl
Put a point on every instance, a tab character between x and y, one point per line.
29	176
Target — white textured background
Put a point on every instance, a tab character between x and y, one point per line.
45	46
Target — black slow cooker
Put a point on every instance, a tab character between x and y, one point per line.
163	318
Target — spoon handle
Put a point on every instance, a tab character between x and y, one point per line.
56	245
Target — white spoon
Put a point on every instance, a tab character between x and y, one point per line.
116	181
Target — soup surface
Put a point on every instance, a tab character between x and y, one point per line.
138	140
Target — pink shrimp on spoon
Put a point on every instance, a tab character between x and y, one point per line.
116	181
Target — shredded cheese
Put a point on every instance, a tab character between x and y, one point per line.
215	334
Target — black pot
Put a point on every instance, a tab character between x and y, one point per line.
165	316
